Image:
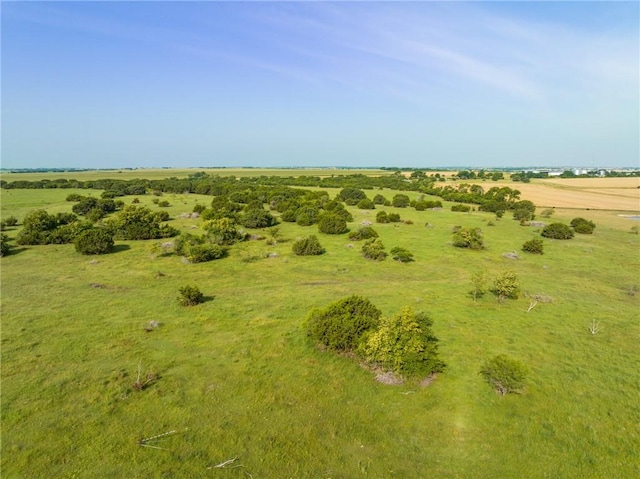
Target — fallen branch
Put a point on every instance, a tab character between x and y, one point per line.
225	463
532	305
595	327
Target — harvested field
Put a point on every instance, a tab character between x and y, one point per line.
620	194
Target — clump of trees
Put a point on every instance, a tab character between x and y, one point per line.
504	374
308	247
384	217
351	196
557	231
373	249
223	231
138	223
404	343
40	227
524	211
366	204
582	226
470	238
533	246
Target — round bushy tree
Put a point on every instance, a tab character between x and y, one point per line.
379	199
504	374
351	196
366	204
332	224
582	226
468	238
382	217
400	201
94	241
363	233
257	218
308	247
341	325
557	231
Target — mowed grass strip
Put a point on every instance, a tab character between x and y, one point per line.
236	376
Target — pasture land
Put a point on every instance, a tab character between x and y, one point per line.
235	377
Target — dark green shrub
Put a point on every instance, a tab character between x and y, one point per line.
199	208
10	221
341	325
190	295
332	224
307	215
504	374
308	247
94	215
68	233
351	196
401	254
582	226
400	201
223	231
74	197
5	247
201	253
534	246
138	223
468	238
374	249
366	204
394	217
290	215
363	233
461	208
94	241
557	231
382	217
379	199
163	204
404	344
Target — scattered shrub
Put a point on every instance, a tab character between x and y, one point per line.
404	344
74	197
10	221
394	217
506	286
138	223
308	247
366	204
557	231
582	226
363	233
223	231
5	247
468	238
504	374
461	208
400	201
341	325
534	246
379	199
201	253
351	196
94	241
199	208
257	218
332	224
163	204
401	254
190	295
374	249
547	213
382	217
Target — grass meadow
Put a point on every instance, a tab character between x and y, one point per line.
237	379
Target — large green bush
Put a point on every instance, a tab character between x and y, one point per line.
366	204
138	223
341	325
223	231
404	344
257	218
504	374
351	196
5	247
400	200
190	295
365	232
557	231
308	247
94	241
401	254
534	246
582	226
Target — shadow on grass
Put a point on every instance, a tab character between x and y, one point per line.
14	251
120	247
206	299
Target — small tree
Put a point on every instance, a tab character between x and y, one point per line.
405	344
5	247
400	201
341	325
557	231
504	374
479	282
94	241
506	286
401	255
308	247
374	249
190	295
382	217
379	199
534	246
582	226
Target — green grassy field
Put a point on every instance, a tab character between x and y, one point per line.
238	379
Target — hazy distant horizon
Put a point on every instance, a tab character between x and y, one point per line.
300	84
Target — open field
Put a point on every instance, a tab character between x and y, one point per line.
238	379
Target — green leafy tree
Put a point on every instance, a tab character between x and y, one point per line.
351	196
308	247
506	286
374	249
379	199
557	231
400	201
94	241
223	231
342	325
366	204
5	247
479	282
504	374
257	218
190	295
382	217
138	223
404	344
583	226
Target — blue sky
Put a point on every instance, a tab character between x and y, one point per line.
424	84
